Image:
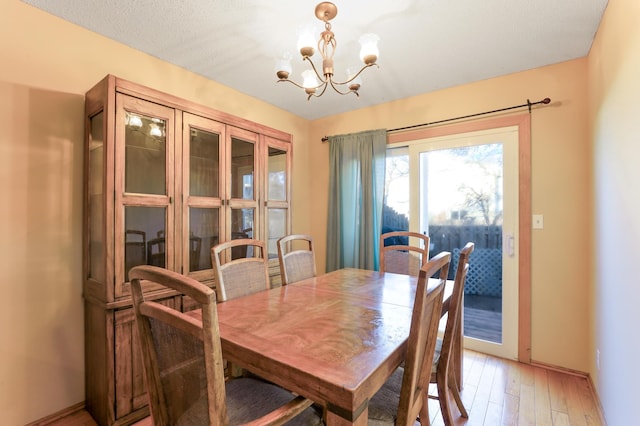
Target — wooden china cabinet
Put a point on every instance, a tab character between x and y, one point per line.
165	180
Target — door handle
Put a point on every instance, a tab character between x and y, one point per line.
510	244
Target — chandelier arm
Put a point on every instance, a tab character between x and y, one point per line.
333	84
324	89
316	94
292	82
321	78
357	74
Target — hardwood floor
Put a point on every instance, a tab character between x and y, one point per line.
496	392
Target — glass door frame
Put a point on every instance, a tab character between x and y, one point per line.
523	123
192	121
127	104
507	346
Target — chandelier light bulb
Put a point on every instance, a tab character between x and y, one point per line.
369	48
283	66
309	80
306	43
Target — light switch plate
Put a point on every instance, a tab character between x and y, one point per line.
538	221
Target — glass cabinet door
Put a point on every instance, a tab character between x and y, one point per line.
144	221
242	196
277	188
96	200
203	178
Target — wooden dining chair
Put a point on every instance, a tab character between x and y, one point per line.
239	276
445	360
403	398
297	261
156	254
135	249
399	256
182	359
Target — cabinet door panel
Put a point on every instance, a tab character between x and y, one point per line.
203	187
242	189
277	184
129	379
131	392
144	188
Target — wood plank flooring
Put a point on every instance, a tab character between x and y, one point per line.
496	392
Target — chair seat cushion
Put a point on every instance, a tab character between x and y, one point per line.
383	407
249	398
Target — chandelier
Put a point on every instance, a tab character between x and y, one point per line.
314	83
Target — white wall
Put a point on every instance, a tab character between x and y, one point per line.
614	66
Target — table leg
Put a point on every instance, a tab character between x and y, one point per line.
334	419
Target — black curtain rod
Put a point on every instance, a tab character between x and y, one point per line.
529	104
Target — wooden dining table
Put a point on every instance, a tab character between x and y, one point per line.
335	338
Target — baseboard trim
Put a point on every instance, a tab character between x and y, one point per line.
559	369
59	415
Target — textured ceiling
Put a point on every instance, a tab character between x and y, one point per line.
425	45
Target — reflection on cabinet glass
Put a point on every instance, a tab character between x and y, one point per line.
203	227
145	145
277	217
204	163
276	229
242	169
277	166
144	237
95	196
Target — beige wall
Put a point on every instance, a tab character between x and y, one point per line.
561	188
614	87
47	65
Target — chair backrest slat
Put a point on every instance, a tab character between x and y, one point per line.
399	256
297	260
455	304
239	276
422	339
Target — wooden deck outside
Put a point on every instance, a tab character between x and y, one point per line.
483	317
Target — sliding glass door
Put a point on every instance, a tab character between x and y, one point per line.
463	188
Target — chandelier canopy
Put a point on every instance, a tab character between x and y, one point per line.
327	43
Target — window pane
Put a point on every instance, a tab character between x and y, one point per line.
395	210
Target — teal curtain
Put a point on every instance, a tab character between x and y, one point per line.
356	187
